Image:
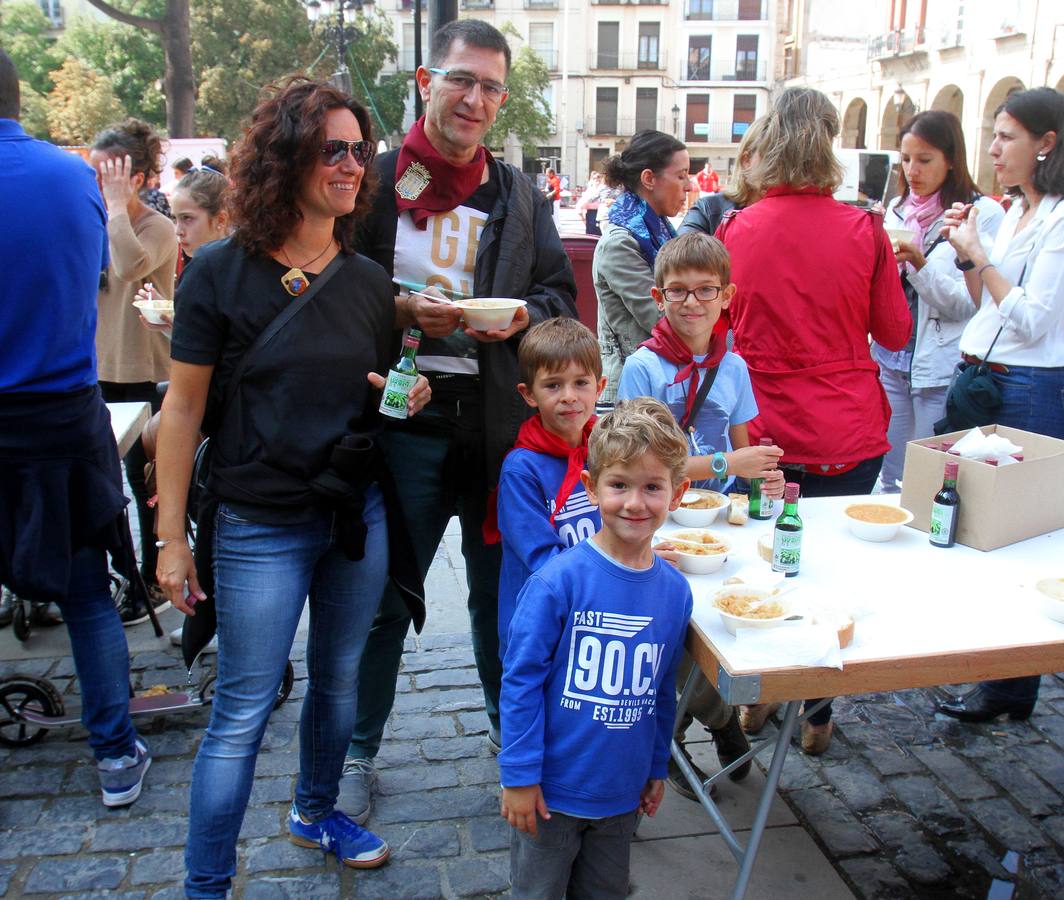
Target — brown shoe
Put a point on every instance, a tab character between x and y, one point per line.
753	718
815	738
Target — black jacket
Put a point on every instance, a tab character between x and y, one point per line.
706	215
520	255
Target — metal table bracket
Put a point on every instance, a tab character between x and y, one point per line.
738	690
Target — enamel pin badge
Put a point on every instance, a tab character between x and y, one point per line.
413	181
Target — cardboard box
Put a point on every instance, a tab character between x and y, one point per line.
1000	505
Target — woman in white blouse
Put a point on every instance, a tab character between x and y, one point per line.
934	176
1019	288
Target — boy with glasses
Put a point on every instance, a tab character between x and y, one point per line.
686	353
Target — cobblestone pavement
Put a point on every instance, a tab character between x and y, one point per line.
908	803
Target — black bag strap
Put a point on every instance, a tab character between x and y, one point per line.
700	397
279	321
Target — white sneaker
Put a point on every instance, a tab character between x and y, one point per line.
175	639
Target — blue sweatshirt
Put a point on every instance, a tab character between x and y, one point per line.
527	487
588	685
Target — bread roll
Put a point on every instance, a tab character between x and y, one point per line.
739	511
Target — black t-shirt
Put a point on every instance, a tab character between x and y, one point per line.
301	393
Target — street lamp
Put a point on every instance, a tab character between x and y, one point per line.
340	33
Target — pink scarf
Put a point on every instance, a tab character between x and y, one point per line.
919	213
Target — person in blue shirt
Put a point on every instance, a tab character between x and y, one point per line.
587	702
542	505
61	503
692	276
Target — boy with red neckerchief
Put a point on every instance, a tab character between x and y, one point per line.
542	506
686	351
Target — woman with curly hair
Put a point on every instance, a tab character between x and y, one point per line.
296	484
131	359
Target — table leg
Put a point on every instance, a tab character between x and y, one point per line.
772	780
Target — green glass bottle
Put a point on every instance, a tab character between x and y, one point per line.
787	538
760	506
944	509
401	378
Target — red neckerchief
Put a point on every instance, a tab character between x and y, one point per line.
450	184
535	437
666	343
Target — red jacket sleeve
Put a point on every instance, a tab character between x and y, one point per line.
889	319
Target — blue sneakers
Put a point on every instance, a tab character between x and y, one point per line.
121	779
353	845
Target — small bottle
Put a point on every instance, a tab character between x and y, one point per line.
760	506
401	378
787	538
944	509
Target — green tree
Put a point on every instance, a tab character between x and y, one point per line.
80	104
24	37
130	58
172	28
525	111
34	114
239	46
366	56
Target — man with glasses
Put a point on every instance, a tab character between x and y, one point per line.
452	219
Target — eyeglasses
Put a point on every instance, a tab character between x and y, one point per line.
335	152
705	293
465	82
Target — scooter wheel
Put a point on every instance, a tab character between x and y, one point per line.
19	693
20	621
286	685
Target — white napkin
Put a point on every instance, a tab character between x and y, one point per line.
979	446
801	644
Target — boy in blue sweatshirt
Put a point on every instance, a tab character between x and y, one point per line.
587	701
542	505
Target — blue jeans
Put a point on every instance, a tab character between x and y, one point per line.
859	480
101	656
433	484
263	574
1031	399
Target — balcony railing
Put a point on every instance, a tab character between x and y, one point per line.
712	133
629	2
408	5
627	61
756	70
624	126
478	4
541	4
549	57
725	10
896	43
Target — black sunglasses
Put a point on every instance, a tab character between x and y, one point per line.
335	151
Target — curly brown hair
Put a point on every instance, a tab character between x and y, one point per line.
135	139
269	162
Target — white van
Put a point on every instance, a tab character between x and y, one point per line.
189	148
871	176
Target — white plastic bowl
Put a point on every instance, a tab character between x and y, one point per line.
697	563
489	313
1051	594
154	310
877	531
900	234
731	623
699	518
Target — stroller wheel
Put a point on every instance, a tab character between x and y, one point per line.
20	621
19	693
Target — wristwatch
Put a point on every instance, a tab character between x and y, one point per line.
719	464
965	266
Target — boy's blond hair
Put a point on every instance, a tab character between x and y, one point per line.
555	343
635	427
694	251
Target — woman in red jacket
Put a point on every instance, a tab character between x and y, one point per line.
815	277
